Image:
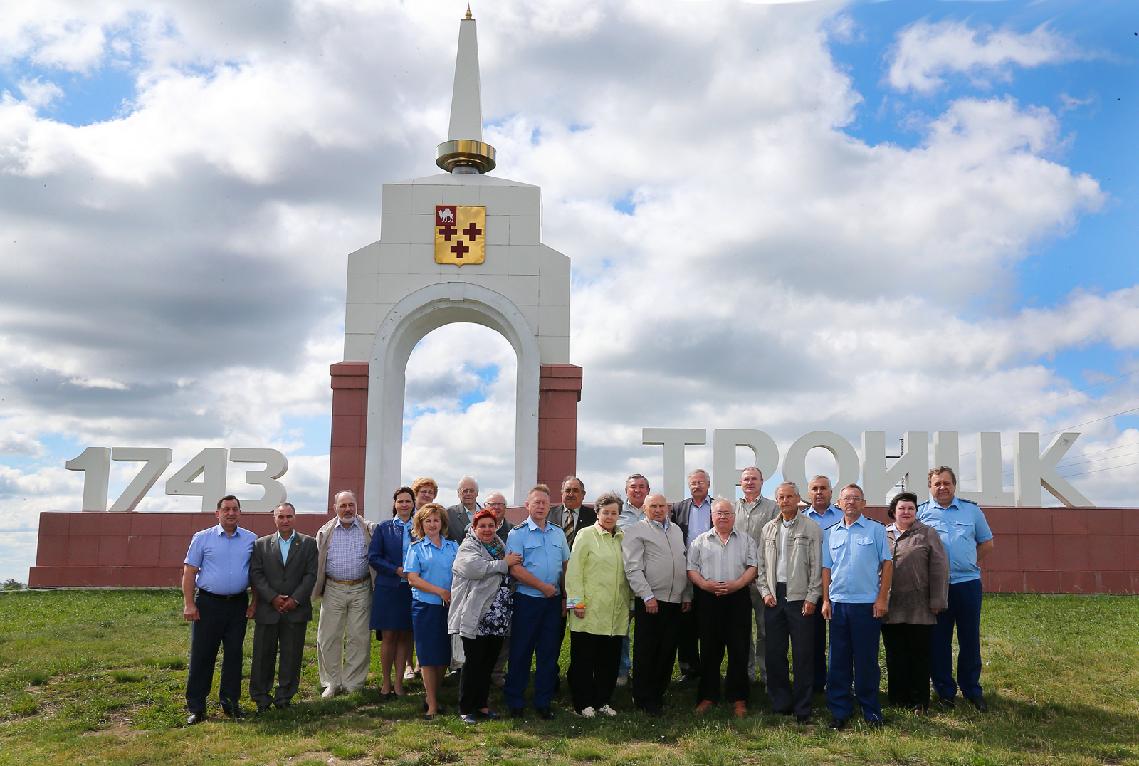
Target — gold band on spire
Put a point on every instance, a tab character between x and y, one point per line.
469	16
465	151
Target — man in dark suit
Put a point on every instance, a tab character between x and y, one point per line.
571	515
282	571
693	515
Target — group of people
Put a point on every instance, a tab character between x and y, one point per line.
698	579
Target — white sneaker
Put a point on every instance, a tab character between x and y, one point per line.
608	711
329	692
588	712
622	681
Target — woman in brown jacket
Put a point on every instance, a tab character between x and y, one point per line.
919	591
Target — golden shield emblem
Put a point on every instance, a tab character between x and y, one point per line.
460	234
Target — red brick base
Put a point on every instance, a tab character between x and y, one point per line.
559	391
128	550
1038	550
1060	550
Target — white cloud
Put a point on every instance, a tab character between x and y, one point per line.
926	53
19	443
174	276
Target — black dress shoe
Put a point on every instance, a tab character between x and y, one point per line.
802	719
875	723
489	715
517	712
838	724
263	709
195	718
234	711
282	704
545	714
946	702
980	704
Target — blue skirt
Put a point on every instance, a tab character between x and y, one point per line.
391	607
432	644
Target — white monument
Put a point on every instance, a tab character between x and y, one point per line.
459	246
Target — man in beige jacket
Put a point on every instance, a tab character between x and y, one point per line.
790	579
344	584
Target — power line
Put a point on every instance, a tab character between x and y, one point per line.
1101	470
1088	459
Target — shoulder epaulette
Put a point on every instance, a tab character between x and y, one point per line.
519	525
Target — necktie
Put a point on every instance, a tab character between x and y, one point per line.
568	525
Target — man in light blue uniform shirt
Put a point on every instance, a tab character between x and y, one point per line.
857	570
539	603
825	514
965	533
217	564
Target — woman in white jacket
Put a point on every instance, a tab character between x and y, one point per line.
480	610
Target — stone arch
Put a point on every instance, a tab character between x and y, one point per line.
408	321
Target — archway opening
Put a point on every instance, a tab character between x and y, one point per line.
460	401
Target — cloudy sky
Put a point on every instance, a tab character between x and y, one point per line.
882	216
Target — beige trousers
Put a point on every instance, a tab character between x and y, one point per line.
343	641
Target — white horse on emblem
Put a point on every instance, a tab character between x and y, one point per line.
446	215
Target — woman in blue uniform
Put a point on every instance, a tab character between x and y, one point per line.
391	598
428	569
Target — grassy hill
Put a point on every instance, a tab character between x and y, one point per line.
97	677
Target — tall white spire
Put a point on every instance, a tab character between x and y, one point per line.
464	150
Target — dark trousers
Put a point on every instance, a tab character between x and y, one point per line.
786	624
220	623
907	664
653	652
535	632
725	624
270	639
965	612
820	649
474	683
593	668
688	642
854	646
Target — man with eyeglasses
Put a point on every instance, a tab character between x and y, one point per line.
857	569
571	514
496	503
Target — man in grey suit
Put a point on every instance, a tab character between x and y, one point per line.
282	571
459	516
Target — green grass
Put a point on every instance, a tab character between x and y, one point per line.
97	677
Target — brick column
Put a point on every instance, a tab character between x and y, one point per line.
559	391
349	429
